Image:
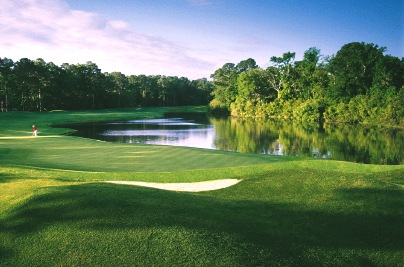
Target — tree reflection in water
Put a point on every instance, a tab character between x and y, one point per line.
342	142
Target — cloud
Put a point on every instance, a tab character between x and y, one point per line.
51	30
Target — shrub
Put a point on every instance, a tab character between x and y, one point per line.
308	111
217	108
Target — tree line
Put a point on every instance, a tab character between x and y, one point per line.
35	85
359	84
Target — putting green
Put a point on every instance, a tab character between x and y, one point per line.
79	154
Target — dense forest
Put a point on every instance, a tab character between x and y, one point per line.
359	84
34	85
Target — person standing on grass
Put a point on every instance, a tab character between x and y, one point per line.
35	130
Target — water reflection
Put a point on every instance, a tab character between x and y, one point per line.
161	122
173	131
349	143
201	138
345	142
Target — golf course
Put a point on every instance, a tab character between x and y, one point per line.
72	201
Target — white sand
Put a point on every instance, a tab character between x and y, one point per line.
185	187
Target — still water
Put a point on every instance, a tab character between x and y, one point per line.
346	142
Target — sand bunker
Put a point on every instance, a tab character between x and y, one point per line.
185	187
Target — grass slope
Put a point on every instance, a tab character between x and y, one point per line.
55	209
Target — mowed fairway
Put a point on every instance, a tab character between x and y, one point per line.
73	153
56	208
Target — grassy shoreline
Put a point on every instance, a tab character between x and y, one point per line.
56	209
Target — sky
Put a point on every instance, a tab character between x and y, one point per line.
191	38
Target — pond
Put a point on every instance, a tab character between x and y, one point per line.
345	142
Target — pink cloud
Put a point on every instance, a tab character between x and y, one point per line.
51	30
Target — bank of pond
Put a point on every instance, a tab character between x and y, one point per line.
352	143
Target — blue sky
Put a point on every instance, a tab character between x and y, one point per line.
191	38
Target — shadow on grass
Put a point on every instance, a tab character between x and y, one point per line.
283	231
8	177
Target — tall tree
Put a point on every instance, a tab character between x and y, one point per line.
6	78
27	84
246	65
224	83
85	82
42	79
353	68
313	77
281	75
118	90
204	90
53	97
253	85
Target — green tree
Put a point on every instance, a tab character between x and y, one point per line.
6	78
253	85
204	90
246	65
148	90
282	75
117	90
134	89
253	94
312	75
387	80
28	85
43	82
353	69
53	95
224	84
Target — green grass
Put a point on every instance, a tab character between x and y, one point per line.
55	209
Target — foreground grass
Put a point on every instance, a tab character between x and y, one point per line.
55	209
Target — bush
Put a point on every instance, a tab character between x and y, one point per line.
360	110
337	113
217	108
273	109
308	111
249	108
